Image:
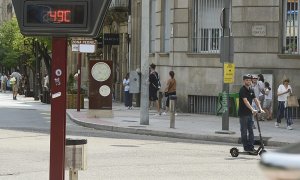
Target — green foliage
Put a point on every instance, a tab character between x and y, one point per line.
71	83
71	89
10	37
13	45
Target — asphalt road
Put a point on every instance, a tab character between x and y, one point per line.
25	144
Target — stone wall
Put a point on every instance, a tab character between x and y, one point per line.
256	28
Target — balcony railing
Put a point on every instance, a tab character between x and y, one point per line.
119	5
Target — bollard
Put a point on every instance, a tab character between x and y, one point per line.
172	104
75	157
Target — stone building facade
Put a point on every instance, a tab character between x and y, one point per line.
184	37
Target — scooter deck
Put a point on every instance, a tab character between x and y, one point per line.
254	153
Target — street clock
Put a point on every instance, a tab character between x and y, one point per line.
101	71
66	18
100	84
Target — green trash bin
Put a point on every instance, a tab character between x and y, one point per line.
233	103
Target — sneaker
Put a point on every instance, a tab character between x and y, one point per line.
276	124
131	107
164	113
290	128
251	151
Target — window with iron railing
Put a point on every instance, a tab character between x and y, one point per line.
206	27
152	25
166	32
291	28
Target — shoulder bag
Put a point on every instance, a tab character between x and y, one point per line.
292	101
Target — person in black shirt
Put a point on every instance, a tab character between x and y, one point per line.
154	86
246	95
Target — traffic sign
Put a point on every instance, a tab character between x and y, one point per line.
229	70
66	18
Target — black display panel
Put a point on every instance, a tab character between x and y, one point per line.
61	18
58	14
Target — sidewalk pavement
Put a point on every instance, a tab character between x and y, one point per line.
187	126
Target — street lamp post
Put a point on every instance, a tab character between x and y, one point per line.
226	57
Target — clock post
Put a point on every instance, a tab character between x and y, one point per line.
100	97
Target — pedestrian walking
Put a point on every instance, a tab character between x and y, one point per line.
258	89
8	85
3	83
154	86
246	96
46	83
15	81
127	94
261	88
268	102
283	91
170	90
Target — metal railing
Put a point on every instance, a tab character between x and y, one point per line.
202	104
206	31
291	32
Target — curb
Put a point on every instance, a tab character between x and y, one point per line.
139	131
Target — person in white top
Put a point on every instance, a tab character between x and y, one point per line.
128	95
284	90
267	104
261	87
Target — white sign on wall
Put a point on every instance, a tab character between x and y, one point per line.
259	30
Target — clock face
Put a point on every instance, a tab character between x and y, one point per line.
101	71
104	90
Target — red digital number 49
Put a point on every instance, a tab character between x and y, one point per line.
59	16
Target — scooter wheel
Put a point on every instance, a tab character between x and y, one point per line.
262	151
234	152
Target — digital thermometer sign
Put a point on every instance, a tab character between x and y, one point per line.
72	14
61	18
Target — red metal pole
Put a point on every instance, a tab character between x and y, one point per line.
78	81
58	108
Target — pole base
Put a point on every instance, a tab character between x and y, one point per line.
224	132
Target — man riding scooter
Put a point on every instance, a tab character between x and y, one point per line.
246	111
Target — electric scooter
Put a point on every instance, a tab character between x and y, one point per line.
261	149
